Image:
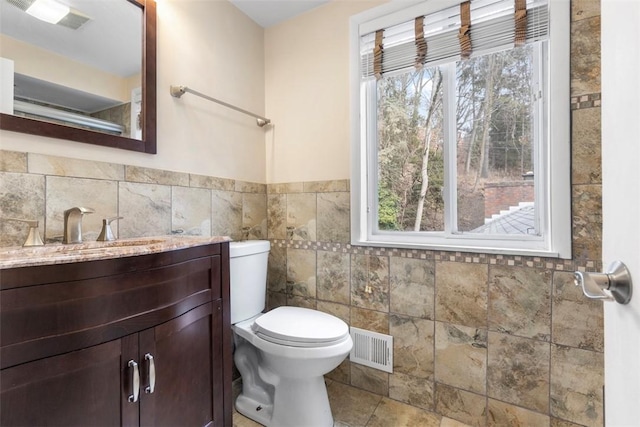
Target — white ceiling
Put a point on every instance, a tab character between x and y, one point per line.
114	31
267	13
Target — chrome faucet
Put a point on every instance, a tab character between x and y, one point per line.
73	224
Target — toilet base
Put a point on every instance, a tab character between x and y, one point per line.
253	409
297	402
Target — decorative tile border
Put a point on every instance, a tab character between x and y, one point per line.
586	101
471	258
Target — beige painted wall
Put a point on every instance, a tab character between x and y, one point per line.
307	93
211	47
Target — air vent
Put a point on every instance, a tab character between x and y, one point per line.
74	19
21	4
372	349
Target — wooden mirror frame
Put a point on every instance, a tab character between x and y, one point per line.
148	114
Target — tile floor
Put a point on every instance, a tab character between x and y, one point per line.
353	407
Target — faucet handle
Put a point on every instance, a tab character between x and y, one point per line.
106	234
33	239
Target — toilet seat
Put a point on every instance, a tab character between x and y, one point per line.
300	327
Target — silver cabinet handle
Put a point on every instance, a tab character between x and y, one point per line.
151	369
135	381
613	285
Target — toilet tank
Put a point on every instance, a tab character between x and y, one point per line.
248	278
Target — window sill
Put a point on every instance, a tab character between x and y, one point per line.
450	247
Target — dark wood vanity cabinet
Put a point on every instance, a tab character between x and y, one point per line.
71	336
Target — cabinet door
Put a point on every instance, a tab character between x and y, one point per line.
187	354
80	388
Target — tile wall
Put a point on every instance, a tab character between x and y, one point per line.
152	202
484	339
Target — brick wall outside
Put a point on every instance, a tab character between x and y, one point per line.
500	196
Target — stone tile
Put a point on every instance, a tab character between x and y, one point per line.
333	217
339	310
412	289
191	211
586	153
370	320
64	166
212	183
520	301
284	188
370	379
254	216
146	209
577	377
503	414
556	422
303	302
277	216
276	299
301	216
461	293
13	161
350	405
518	371
277	269
392	413
370	282
326	186
411	390
240	420
461	405
449	422
301	272
587	222
577	321
457	347
412	346
63	193
226	214
333	276
583	9
155	176
22	196
585	56
342	373
250	187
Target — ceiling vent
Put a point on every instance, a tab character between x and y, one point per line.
74	19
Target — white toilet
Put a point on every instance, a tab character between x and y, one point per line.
283	354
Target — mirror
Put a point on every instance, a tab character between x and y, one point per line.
95	92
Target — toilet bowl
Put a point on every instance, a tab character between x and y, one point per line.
282	355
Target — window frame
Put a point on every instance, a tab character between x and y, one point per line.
553	161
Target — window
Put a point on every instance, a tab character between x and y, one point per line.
460	126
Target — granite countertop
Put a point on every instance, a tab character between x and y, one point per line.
57	253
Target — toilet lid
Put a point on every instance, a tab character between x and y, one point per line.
301	327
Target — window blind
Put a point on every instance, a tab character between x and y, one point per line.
494	25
